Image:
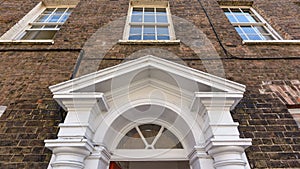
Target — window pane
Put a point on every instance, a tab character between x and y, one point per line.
240	32
243	37
29	35
252	33
149	33
238	29
149	18
268	37
230	17
135	37
161	11
135	30
149	132
48	10
149	11
50	26
45	35
162	30
165	138
163	37
36	26
254	37
250	18
162	19
54	18
64	18
136	18
39	35
261	29
149	37
131	140
137	11
60	11
149	30
241	18
168	141
248	30
42	18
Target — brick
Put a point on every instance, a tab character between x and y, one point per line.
28	70
34	158
270	148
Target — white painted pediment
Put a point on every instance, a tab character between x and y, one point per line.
148	69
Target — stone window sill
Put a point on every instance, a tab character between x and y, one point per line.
271	42
28	42
154	42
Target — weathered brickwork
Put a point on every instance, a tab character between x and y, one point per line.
286	91
32	115
28	70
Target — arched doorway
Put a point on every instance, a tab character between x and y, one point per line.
150	134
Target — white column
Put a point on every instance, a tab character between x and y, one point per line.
221	133
69	154
74	143
228	154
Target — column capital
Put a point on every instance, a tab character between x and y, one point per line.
81	101
215	100
83	110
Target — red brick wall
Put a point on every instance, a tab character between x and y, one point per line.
28	70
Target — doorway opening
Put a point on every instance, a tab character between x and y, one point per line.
149	165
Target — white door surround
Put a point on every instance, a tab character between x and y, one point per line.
103	106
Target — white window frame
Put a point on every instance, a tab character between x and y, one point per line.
163	4
261	22
15	33
43	24
148	145
177	154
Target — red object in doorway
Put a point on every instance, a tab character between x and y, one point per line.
114	165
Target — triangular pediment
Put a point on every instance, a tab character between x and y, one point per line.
148	69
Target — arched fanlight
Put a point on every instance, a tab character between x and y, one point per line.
149	136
